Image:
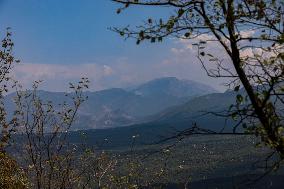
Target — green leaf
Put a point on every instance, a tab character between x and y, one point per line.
237	88
121	33
187	34
234	116
180	12
240	98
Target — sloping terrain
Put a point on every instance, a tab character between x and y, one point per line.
120	107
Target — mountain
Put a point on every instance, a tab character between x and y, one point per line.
118	107
198	110
167	122
171	86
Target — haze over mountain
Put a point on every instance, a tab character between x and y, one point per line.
169	122
118	107
171	86
197	110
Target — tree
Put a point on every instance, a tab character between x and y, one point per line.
49	160
35	150
251	33
11	175
7	60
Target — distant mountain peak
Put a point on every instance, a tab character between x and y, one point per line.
165	79
116	107
172	86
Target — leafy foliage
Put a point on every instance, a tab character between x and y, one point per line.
11	176
251	35
6	63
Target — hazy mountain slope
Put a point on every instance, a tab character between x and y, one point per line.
169	122
171	86
195	108
119	107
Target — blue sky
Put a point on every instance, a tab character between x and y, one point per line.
71	31
73	36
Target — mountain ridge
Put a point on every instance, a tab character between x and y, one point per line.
117	107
